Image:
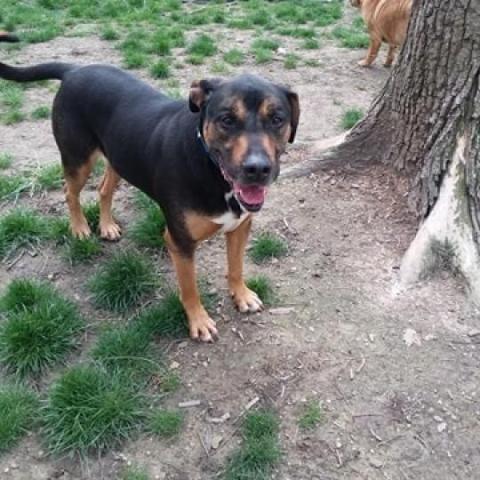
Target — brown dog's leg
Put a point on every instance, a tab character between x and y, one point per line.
201	326
75	180
244	298
375	44
390	55
109	229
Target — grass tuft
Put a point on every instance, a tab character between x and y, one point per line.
353	36
262	286
147	232
260	450
165	423
160	69
123	282
11	186
127	350
267	246
202	46
39	330
234	56
291	61
18	407
6	161
134	473
82	250
90	409
350	118
166	319
311	416
41	113
20	228
49	177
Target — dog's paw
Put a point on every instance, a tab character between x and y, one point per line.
202	327
110	231
80	230
246	300
364	63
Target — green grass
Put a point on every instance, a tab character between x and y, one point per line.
350	118
202	46
165	423
92	213
18	414
311	416
265	44
297	32
134	59
89	410
267	246
127	350
20	228
262	55
170	382
262	286
49	177
123	282
12	98
147	231
81	250
260	450
291	61
6	161
234	57
353	36
166	319
160	69
310	44
134	473
161	43
12	186
41	113
38	332
109	32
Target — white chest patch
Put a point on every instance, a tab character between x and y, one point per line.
229	220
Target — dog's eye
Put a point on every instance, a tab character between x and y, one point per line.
277	121
227	121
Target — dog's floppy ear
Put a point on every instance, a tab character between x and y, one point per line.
200	91
294	113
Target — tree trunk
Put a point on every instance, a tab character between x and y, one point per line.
426	124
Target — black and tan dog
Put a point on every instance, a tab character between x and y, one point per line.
207	162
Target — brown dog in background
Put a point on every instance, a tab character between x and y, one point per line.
387	21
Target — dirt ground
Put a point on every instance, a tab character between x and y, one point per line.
392	410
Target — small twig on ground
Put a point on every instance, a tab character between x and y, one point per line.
202	441
374	435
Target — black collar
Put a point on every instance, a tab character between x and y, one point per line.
204	146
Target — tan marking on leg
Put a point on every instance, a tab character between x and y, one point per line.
373	48
245	299
74	183
109	229
201	326
200	227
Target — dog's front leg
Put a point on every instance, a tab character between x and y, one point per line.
202	327
244	298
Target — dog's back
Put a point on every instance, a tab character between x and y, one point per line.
390	19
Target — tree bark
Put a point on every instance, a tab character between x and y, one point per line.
425	123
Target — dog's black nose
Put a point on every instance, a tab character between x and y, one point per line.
256	168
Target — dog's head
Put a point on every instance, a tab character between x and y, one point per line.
356	3
246	124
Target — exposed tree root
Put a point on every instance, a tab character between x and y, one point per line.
447	234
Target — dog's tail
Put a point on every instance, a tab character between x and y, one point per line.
8	37
44	71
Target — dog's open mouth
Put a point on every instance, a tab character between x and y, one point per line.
252	197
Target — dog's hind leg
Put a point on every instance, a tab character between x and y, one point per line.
75	180
373	48
390	55
109	229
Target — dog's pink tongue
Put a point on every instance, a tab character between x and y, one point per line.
253	195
